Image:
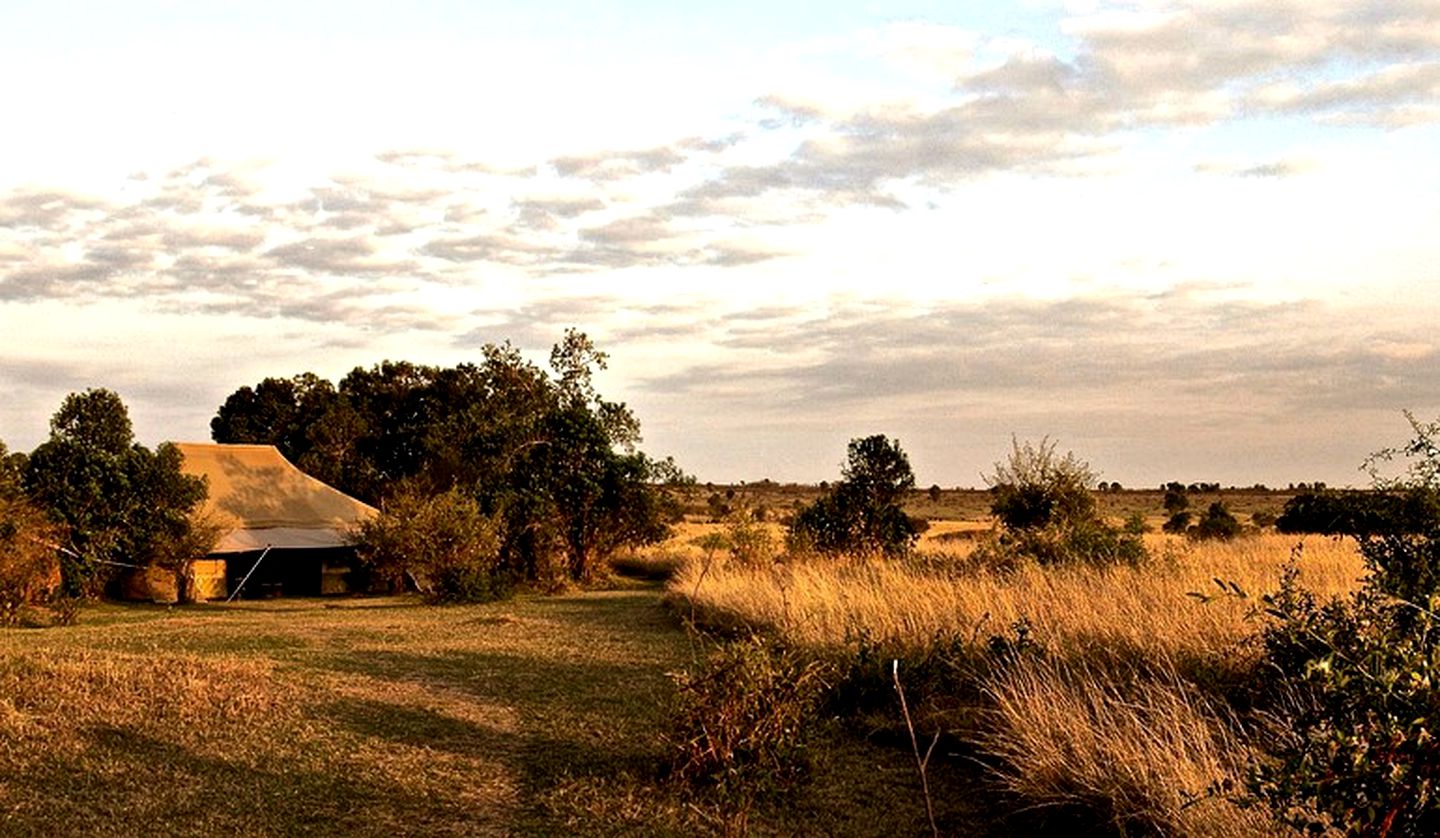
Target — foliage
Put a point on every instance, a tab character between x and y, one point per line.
118	502
1216	523
556	463
1035	487
12	467
1177	524
1376	512
1176	501
1087	541
749	540
743	721
861	514
1364	672
442	543
29	569
1048	513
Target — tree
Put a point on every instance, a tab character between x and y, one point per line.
118	502
862	513
543	452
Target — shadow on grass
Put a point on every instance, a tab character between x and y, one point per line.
127	782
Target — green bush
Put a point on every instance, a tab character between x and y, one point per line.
1049	515
1217	524
1036	487
442	544
1360	682
749	540
1177	524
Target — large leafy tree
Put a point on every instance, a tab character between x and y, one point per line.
541	450
862	513
118	502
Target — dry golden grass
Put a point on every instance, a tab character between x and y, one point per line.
1144	611
1140	754
1117	715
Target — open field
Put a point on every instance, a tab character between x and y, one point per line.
540	716
1126	710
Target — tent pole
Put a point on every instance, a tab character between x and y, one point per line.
251	572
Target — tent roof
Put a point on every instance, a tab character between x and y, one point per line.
262	500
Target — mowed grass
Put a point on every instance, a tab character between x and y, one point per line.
539	716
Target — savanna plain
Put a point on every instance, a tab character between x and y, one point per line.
927	694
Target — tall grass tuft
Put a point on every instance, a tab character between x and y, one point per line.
1137	757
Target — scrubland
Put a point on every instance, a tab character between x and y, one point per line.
1120	696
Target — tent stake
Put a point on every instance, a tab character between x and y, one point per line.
240	587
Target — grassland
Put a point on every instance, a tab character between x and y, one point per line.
547	715
539	716
1128	710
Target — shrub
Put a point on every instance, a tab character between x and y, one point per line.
742	722
29	567
749	540
1217	523
1177	524
442	544
1035	487
1361	678
1089	542
1048	514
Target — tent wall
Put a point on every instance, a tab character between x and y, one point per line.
210	579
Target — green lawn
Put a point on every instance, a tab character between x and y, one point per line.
543	715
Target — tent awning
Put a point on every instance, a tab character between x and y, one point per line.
289	538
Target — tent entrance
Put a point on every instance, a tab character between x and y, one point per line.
291	572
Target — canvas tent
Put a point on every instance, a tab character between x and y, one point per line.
267	507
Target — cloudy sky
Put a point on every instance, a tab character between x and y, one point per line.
1187	241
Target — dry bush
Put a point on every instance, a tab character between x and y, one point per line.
29	564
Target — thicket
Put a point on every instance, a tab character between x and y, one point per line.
1380	511
553	463
1357	748
1048	514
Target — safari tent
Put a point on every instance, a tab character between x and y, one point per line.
282	531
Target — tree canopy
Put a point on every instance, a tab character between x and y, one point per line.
119	503
541	450
861	513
